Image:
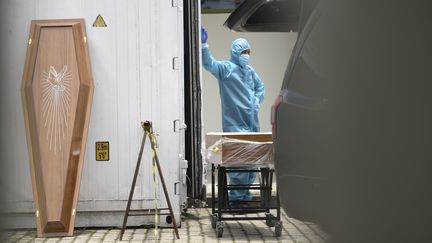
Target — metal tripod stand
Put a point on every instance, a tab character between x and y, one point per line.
148	131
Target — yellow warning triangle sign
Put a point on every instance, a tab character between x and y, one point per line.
99	22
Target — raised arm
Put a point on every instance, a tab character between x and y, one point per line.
217	68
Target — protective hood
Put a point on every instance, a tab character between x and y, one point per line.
238	45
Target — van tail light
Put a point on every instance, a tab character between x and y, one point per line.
274	108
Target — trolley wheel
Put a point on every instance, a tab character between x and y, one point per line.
278	228
214	219
270	220
219	228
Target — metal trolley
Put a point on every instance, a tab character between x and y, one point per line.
222	206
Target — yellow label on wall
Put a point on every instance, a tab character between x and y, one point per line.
99	22
102	151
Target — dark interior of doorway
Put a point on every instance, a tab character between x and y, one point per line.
195	188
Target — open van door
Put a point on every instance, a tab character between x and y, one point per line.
270	15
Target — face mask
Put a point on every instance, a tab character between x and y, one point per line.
244	60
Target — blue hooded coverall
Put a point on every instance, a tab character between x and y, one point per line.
241	91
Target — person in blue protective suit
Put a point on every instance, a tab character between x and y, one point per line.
241	91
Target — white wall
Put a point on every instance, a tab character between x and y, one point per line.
269	56
132	66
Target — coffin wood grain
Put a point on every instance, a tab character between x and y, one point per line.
56	165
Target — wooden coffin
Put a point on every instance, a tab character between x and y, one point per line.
212	137
57	90
240	148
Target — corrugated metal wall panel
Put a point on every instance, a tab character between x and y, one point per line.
134	78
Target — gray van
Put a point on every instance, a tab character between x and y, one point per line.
352	123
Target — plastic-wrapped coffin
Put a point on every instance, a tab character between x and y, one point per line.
57	90
240	149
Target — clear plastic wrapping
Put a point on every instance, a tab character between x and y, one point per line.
237	153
